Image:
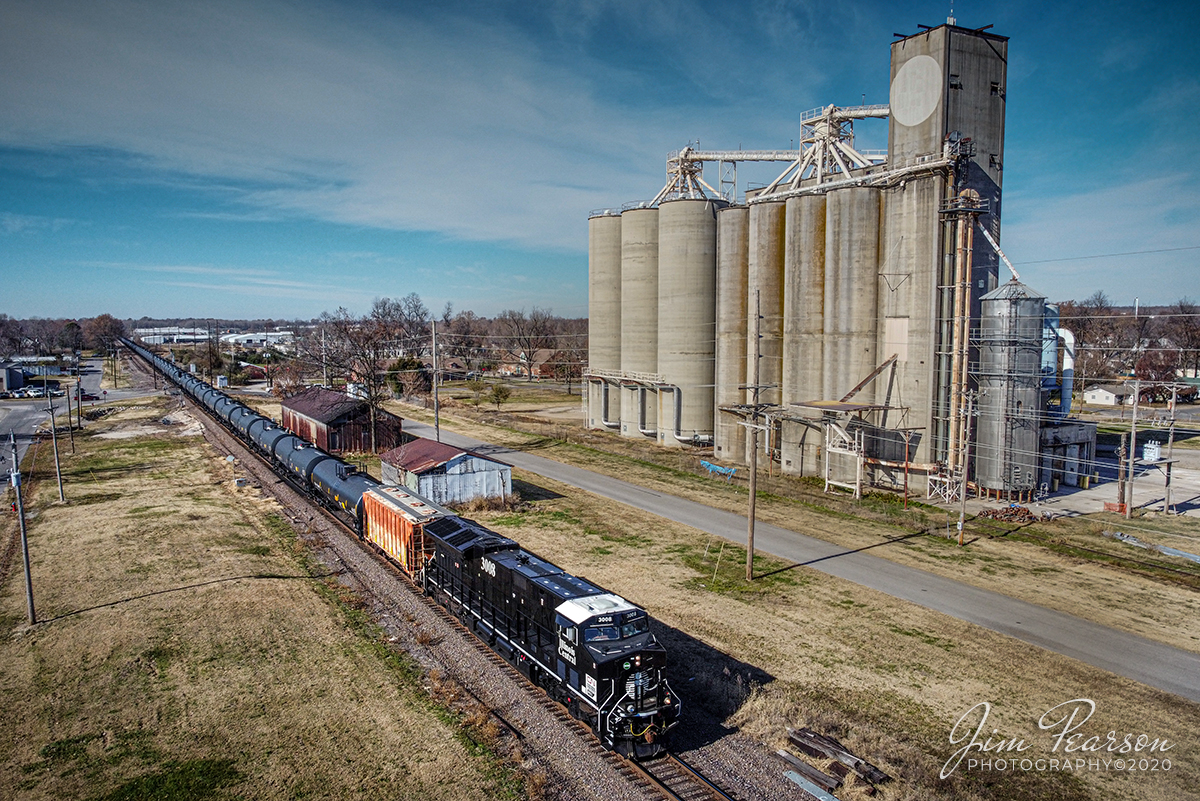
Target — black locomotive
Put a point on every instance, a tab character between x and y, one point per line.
587	648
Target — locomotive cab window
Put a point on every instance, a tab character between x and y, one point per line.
601	633
635	627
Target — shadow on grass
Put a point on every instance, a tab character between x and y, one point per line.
533	492
848	552
250	576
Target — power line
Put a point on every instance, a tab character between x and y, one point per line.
1110	255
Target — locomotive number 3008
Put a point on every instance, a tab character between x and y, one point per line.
488	566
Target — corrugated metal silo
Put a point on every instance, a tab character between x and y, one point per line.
733	264
604	308
639	317
851	272
803	328
687	279
1009	380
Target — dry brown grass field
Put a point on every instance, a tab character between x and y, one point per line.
1042	563
187	649
886	677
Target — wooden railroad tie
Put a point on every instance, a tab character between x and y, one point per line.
818	745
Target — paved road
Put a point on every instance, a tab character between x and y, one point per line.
22	417
1152	663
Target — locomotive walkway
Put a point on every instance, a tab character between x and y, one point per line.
1152	663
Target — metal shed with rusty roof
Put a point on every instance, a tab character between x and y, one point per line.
445	474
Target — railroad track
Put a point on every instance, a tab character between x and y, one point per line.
666	777
680	781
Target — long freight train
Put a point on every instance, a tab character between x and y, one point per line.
587	648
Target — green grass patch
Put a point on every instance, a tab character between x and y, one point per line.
928	639
179	781
722	569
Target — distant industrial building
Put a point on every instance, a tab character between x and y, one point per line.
260	339
864	285
337	423
445	474
170	335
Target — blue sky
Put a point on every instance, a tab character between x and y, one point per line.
277	159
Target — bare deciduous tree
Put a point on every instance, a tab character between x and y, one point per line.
361	350
524	335
1183	329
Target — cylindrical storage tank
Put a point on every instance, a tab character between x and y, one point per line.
687	284
803	329
851	273
733	266
1008	427
604	306
767	228
910	264
639	319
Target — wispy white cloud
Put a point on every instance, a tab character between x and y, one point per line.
1151	214
466	124
28	223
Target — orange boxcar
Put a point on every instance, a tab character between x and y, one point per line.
394	520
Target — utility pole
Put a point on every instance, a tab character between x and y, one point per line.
1121	451
1137	392
437	409
324	364
70	425
1170	444
962	502
54	439
754	441
16	483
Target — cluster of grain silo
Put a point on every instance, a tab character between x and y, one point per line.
657	265
861	271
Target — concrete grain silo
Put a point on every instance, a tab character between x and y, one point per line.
733	264
604	314
639	319
687	277
1010	384
851	271
767	229
910	270
803	328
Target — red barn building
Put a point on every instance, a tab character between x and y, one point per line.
336	422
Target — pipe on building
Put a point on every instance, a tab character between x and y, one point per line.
649	432
604	408
695	439
1068	373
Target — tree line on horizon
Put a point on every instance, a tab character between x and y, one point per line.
1150	343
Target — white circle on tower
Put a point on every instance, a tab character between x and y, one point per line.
916	90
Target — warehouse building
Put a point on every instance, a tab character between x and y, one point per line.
445	474
338	423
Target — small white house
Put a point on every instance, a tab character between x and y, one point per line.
445	474
1108	395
